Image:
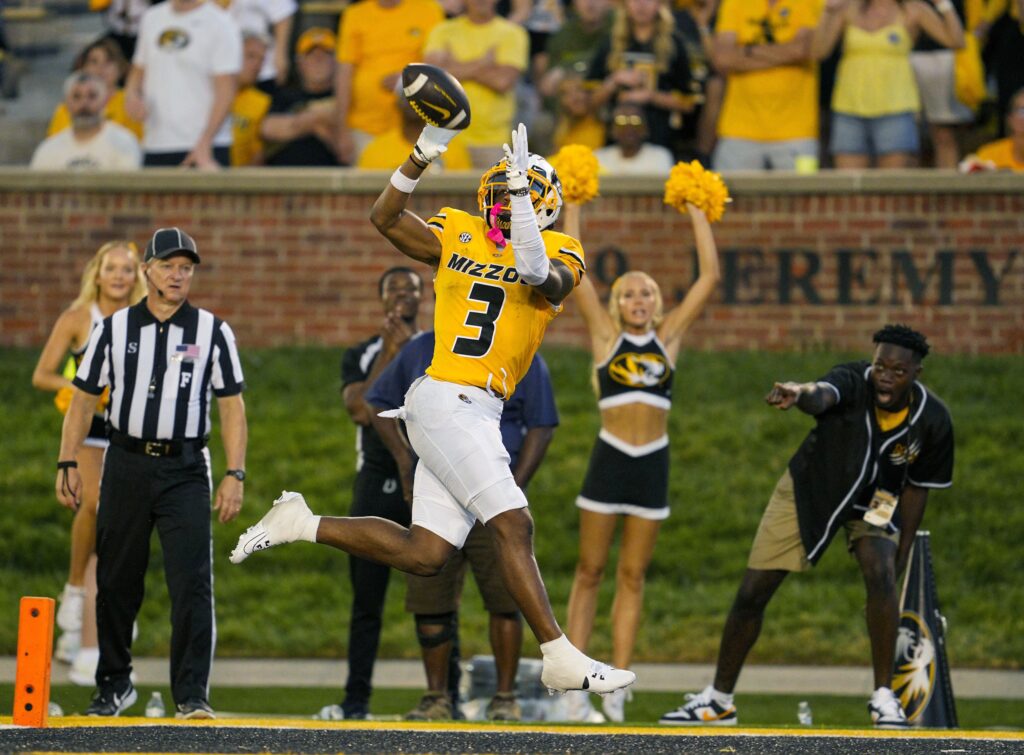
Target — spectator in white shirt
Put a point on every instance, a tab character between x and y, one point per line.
630	153
92	142
183	81
275	18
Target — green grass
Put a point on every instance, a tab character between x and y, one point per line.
728	450
830	711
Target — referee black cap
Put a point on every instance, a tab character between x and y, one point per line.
170	241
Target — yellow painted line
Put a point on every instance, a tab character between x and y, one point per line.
482	727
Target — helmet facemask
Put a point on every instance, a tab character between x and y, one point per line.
545	195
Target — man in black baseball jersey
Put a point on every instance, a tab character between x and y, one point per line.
162	359
377	490
880	442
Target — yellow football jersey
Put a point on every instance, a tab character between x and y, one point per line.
488	323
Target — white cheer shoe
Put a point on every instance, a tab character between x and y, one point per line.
614	704
578	708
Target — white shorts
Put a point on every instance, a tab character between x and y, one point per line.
936	82
463	473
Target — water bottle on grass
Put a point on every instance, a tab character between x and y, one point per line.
803	713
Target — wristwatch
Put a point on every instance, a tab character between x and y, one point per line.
238	474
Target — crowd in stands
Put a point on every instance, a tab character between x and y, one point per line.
736	84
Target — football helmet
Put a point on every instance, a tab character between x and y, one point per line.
545	193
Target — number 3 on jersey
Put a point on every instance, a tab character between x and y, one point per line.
494	298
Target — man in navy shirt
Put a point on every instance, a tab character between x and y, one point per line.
528	420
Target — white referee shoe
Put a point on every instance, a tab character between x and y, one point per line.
288	520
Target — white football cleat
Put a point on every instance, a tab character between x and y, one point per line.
288	520
584	673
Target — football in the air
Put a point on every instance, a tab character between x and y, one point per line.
436	96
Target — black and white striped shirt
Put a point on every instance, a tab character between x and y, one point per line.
161	375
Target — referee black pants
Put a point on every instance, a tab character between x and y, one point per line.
375	493
138	492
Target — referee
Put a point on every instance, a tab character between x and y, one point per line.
162	359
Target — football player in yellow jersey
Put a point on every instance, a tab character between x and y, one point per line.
500	279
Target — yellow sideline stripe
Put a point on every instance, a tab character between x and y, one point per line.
64	722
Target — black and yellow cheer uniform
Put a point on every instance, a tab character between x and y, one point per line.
622	478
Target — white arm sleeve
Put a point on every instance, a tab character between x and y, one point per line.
527	244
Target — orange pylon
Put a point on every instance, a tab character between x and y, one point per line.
35	645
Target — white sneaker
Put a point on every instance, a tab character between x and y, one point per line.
701	709
886	710
581	672
288	520
72	603
67	646
578	708
83	668
614	704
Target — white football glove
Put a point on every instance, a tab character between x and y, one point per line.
517	162
432	143
524	233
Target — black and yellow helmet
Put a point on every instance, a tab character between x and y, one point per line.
545	192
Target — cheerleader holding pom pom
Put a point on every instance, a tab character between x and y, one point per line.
635	345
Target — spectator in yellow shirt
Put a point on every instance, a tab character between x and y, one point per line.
376	40
1008	153
104	60
769	116
251	103
875	100
575	123
389	150
487	54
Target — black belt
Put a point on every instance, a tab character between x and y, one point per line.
154	447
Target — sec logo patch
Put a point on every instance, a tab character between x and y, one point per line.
465	238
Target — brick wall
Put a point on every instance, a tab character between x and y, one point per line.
290	257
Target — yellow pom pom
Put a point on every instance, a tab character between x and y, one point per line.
691	183
62	399
577	168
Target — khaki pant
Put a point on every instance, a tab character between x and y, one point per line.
777	544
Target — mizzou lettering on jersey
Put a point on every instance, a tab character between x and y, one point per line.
485	270
488	323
